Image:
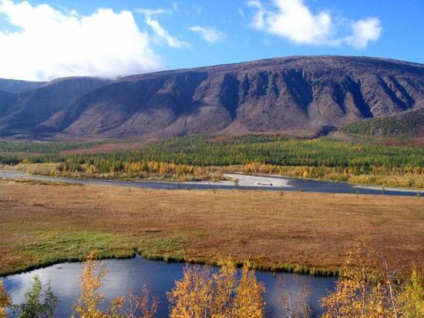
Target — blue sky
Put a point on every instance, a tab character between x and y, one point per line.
41	40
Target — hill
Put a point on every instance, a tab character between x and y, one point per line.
20	113
15	86
406	124
307	94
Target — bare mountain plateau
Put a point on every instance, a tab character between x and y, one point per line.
313	94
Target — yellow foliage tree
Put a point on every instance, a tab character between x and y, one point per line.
191	296
225	282
365	288
412	295
205	293
248	301
4	300
88	305
91	281
143	304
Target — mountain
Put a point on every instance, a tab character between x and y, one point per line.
21	113
320	93
16	86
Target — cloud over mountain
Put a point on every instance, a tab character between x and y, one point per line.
50	43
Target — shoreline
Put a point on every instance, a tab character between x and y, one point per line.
290	269
384	188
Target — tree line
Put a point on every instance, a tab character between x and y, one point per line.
198	157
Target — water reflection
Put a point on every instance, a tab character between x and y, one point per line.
159	277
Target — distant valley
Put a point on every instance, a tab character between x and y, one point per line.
283	95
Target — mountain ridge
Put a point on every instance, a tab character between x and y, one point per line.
274	95
18	86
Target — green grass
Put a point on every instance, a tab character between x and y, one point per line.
168	249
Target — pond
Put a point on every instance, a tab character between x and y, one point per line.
129	275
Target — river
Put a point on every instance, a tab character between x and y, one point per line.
129	275
246	182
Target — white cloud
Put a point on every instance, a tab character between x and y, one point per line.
210	35
151	13
163	35
295	21
241	13
49	43
365	31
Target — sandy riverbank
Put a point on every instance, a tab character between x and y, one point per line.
248	181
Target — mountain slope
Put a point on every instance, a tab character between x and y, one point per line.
22	113
408	124
275	95
16	86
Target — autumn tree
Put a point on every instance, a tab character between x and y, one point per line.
191	296
412	295
142	306
297	306
203	292
4	300
248	300
224	283
90	301
365	288
91	281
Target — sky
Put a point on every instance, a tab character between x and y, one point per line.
44	40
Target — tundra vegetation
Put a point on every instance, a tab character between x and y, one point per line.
389	162
44	223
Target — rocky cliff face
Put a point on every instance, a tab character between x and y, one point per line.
273	95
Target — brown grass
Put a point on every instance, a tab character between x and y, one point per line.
410	142
43	223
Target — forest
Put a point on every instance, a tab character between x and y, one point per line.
365	161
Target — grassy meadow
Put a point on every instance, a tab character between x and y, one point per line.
44	223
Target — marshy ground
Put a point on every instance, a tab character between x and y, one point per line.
44	222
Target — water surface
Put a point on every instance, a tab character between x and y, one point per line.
129	275
271	183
